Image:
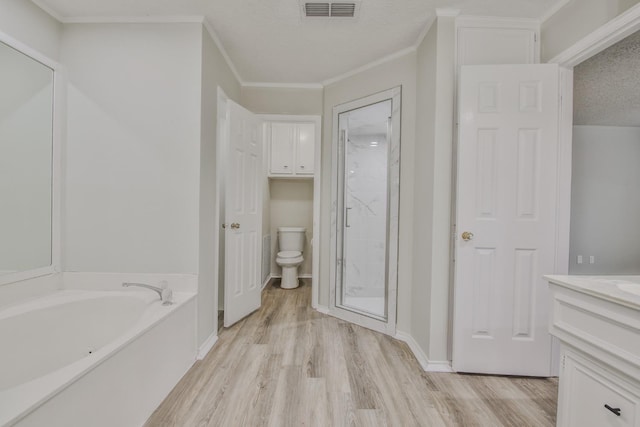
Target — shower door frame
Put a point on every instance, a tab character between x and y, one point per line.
386	325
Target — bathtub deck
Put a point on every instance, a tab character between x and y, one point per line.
288	365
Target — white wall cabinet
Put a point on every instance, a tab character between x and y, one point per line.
291	149
485	41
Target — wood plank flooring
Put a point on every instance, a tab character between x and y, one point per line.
288	365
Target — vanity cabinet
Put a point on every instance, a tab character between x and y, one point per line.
597	320
291	149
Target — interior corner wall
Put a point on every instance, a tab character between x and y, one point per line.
605	203
215	73
281	100
27	23
433	196
397	72
423	194
576	20
132	159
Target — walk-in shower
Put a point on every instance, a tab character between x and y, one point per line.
365	209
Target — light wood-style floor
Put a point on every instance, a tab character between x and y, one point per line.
288	365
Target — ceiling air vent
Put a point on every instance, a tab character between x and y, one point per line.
329	10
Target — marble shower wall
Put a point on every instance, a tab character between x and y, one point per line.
366	202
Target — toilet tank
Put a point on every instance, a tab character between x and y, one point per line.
291	238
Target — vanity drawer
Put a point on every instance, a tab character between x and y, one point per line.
585	391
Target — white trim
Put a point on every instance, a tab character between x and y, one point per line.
425	31
150	19
553	10
58	127
218	216
370	65
207	345
445	11
48	9
266	282
317	176
421	357
322	309
610	33
473	21
209	27
284	85
385	324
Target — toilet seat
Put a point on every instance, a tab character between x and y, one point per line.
289	254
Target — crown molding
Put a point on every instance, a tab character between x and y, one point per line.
151	19
553	10
284	85
609	34
425	30
445	11
214	36
48	9
370	65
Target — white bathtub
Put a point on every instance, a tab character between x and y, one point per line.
92	358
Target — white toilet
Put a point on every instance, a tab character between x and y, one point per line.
290	246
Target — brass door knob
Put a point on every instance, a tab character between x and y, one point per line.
235	226
467	235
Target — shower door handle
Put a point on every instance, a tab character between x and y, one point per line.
346	221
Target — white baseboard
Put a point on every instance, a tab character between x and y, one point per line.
322	309
266	282
300	276
426	364
207	345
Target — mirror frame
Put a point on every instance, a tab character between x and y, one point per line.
59	82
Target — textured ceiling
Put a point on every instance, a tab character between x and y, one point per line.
607	86
268	41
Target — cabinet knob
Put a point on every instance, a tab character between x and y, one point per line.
614	410
301	167
285	166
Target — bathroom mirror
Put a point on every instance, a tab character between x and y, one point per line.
26	154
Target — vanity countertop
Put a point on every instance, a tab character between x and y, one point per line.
623	290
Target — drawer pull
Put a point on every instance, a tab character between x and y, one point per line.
614	410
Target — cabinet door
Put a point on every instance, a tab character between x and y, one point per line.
305	149
592	397
490	46
282	146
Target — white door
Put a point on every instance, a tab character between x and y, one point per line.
506	200
243	215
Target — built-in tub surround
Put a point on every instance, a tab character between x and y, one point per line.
85	344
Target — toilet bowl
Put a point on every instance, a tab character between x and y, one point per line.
291	244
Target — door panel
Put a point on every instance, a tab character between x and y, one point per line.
243	216
506	197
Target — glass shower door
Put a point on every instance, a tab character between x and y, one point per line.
367	171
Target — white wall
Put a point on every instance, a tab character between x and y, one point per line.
275	100
576	20
27	23
133	148
398	72
291	205
433	190
215	72
605	201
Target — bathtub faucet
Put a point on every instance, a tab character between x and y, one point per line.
166	295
